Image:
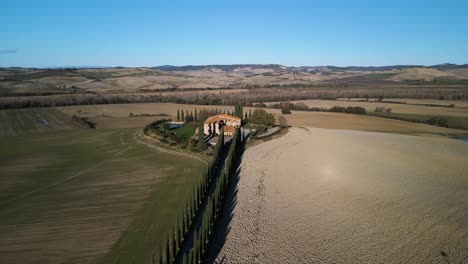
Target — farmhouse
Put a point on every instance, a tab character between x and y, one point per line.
213	124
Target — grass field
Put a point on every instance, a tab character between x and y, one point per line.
428	102
380	76
88	196
187	131
34	120
452	121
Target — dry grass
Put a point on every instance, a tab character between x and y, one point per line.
459	110
422	74
110	116
365	123
331	196
429	101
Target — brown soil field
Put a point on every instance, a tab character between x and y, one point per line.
337	196
117	116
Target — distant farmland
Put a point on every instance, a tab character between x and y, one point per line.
34	120
87	196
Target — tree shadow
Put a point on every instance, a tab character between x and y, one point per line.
222	225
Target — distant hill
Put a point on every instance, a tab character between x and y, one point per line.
277	67
226	68
16	81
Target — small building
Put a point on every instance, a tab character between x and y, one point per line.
213	124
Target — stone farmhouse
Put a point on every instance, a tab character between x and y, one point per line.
213	124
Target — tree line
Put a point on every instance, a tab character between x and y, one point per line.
189	239
287	106
247	97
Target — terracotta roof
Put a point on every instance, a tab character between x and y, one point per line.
229	129
216	118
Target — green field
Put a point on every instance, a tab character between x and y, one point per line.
88	196
381	76
187	131
458	122
16	122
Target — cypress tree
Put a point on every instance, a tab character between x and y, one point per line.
195	246
179	232
195	202
161	260
174	247
245	116
182	116
191	213
241	111
186	113
200	248
183	221
196	115
250	113
187	219
168	251
202	242
179	240
201	134
178	115
213	205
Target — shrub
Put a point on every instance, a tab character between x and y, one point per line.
382	109
379	109
262	117
350	109
285	111
175	138
189	119
300	106
438	121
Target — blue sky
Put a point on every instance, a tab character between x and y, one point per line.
294	32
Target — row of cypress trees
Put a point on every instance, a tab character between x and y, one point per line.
181	115
238	111
205	233
198	115
170	250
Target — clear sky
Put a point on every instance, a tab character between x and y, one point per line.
290	32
